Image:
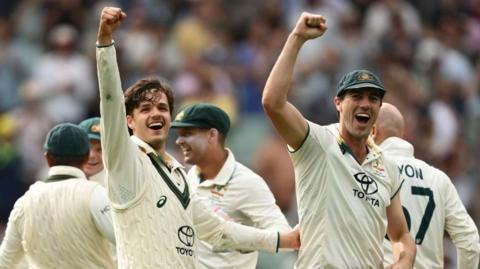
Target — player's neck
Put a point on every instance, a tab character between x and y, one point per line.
161	152
358	147
213	163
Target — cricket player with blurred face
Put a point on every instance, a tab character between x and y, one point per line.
64	221
94	166
158	222
347	191
232	189
430	202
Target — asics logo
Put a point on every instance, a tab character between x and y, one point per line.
161	202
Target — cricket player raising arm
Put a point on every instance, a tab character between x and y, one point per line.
347	191
157	220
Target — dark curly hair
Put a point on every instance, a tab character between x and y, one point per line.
138	93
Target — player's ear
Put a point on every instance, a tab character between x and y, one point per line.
49	159
337	101
374	131
212	135
130	122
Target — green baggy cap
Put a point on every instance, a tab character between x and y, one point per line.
202	115
67	139
92	127
360	79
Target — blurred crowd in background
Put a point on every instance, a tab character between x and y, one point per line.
221	51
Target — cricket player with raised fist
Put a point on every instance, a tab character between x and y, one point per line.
347	190
430	202
158	221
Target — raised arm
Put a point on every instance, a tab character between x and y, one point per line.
404	248
288	121
110	19
118	151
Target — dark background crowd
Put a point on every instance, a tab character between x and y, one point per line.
221	51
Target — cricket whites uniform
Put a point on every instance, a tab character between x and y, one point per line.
342	205
243	196
431	206
99	177
157	220
60	224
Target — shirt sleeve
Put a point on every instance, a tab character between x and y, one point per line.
223	235
306	158
124	170
394	175
461	228
101	213
11	250
258	204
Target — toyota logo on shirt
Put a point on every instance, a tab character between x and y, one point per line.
369	186
186	235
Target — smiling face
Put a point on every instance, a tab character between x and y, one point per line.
194	143
150	120
94	163
358	110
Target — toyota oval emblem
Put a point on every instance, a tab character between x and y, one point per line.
186	235
369	186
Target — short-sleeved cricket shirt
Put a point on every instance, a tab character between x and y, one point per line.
342	204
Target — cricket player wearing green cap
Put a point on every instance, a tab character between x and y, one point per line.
430	201
94	166
64	221
232	189
158	221
347	191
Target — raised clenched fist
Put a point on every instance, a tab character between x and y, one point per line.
110	19
310	26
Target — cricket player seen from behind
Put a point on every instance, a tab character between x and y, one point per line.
347	190
64	221
429	199
158	221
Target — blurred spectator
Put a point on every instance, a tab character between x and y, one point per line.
193	33
32	126
202	82
11	184
12	70
64	77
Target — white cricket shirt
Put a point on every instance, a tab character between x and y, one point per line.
243	196
431	206
341	204
61	224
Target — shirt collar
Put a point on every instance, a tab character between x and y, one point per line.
397	146
373	150
225	173
168	159
66	170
